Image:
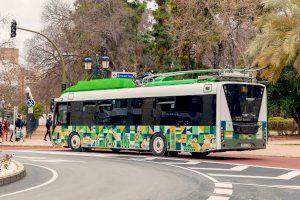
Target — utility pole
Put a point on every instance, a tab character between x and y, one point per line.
14	27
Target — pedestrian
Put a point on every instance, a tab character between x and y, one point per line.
48	126
19	125
5	129
12	130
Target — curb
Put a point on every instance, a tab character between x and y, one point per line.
19	174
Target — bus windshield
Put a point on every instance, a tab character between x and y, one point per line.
244	101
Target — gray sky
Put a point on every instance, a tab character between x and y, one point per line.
27	13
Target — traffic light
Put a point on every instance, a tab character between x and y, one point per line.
13	29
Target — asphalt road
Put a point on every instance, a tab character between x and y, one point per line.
68	175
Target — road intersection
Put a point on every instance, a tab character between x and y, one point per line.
141	175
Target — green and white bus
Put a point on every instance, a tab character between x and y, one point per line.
222	112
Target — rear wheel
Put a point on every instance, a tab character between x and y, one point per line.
158	145
199	154
75	142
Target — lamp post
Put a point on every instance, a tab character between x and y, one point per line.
96	69
29	116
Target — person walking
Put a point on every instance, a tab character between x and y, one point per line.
19	125
48	126
5	129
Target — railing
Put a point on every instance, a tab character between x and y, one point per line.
246	75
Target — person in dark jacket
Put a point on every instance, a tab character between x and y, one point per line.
19	125
48	126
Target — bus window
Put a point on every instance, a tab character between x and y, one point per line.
118	115
186	110
62	114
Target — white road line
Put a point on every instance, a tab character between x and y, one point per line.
293	187
58	160
238	168
289	175
183	163
53	178
27	157
176	159
213	197
150	158
286	176
223	185
223	191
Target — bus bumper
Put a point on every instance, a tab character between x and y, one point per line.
244	144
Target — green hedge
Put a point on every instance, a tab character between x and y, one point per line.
281	125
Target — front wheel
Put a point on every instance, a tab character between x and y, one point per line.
75	142
158	145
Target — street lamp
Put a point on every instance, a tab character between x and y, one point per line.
87	63
105	62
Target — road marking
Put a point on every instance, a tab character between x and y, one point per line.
58	160
238	168
27	157
53	178
223	185
289	175
293	187
183	163
286	176
223	191
213	197
116	155
150	158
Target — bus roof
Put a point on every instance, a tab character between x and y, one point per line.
142	92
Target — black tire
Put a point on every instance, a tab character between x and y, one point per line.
115	150
74	138
173	153
158	145
199	154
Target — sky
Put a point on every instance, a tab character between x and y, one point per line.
27	13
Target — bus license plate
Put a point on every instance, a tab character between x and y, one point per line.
246	145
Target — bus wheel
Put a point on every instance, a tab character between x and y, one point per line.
75	142
158	145
115	150
199	154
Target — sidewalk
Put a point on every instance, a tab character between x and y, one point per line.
284	148
28	143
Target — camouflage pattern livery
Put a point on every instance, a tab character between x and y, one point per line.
179	138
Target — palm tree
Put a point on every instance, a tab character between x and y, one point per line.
278	42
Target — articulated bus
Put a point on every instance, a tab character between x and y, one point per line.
163	116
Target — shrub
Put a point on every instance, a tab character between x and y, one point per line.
281	125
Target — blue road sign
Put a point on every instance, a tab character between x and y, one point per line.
30	103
